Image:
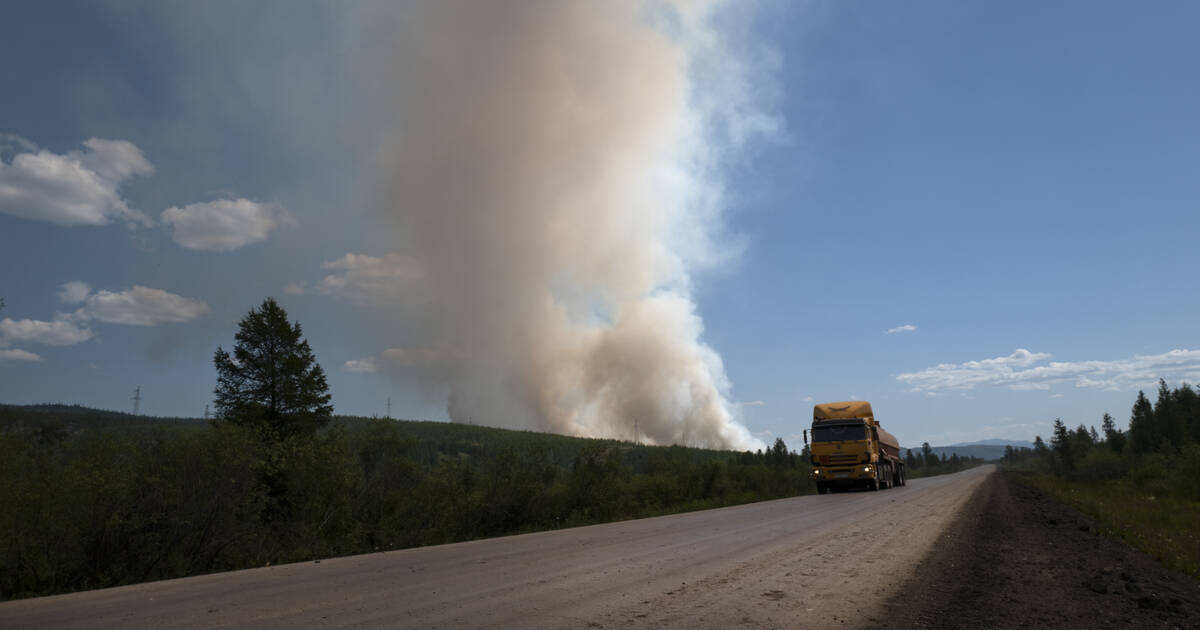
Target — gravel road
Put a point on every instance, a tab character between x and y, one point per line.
814	561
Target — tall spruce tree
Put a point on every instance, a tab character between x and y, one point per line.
1061	443
1113	437
272	381
1143	434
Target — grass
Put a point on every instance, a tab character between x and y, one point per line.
1167	528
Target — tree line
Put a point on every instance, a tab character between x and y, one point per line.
1159	452
926	463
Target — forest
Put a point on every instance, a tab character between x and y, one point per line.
1141	484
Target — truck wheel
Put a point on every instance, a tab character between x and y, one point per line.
874	485
822	488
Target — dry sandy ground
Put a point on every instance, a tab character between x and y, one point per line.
808	562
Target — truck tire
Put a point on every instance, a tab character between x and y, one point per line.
822	488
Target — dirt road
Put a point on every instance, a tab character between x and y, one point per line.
815	561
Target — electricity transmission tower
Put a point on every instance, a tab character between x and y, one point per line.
389	408
137	399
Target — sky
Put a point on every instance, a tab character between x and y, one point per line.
697	220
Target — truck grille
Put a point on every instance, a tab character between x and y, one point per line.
839	459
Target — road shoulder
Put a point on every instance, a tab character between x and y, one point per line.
1016	559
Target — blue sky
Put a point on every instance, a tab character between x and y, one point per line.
1009	187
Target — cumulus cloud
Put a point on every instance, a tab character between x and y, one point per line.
1025	370
17	354
74	188
225	224
74	292
374	280
59	332
367	365
900	329
141	306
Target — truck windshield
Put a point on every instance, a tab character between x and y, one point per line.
839	433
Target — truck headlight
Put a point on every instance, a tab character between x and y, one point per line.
866	469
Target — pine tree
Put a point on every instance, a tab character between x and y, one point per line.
1143	434
272	381
1114	438
1187	403
929	458
1061	443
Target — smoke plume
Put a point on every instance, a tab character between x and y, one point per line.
552	168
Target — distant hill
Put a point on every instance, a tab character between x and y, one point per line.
75	417
994	442
988	449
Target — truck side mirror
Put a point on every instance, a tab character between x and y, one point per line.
806	437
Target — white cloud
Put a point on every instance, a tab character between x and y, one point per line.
1056	395
60	332
900	329
367	365
75	188
74	292
751	403
374	280
17	354
807	399
141	306
1025	370
225	224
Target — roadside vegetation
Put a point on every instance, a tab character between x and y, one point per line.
1140	485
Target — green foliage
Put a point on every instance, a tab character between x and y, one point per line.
1167	528
91	505
272	380
1145	486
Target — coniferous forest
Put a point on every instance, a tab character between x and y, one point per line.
1142	484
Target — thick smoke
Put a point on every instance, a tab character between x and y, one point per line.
552	167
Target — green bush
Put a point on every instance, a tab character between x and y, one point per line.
1101	464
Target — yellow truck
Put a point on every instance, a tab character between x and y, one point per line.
850	450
